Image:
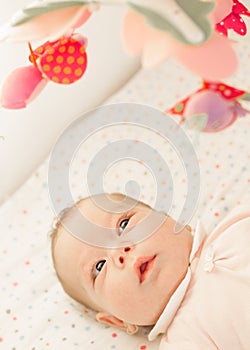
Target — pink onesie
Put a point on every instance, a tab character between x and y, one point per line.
210	310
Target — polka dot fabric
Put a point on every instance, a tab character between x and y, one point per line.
63	61
35	313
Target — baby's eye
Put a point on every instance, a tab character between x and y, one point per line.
98	267
122	225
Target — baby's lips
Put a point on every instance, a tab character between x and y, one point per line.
142	266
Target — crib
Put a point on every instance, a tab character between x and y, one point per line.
36	314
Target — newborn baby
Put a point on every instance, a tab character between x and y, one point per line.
194	289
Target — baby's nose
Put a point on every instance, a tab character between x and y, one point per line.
120	256
125	250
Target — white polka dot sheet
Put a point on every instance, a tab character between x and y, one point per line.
35	313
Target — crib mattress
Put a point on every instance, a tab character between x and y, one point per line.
35	312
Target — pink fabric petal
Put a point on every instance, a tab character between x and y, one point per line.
134	32
50	26
21	86
222	9
140	38
156	50
213	60
83	17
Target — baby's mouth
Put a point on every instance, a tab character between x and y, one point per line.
142	267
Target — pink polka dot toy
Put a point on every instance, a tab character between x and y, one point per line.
212	108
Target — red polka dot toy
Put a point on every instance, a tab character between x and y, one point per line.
63	61
234	20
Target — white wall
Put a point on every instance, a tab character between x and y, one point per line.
29	134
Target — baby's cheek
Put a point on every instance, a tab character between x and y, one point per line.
134	306
119	296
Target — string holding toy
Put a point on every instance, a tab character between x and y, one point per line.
212	108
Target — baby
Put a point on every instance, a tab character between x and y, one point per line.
193	288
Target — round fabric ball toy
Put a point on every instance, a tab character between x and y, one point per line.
63	61
220	112
212	108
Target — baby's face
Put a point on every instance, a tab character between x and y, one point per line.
133	283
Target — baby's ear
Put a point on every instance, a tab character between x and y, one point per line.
107	318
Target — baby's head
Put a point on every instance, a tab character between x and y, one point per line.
127	286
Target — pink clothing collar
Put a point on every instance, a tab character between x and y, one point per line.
172	306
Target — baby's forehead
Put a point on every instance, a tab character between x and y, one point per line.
109	204
95	220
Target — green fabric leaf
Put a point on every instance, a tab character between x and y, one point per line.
245	97
196	10
39	9
197	122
